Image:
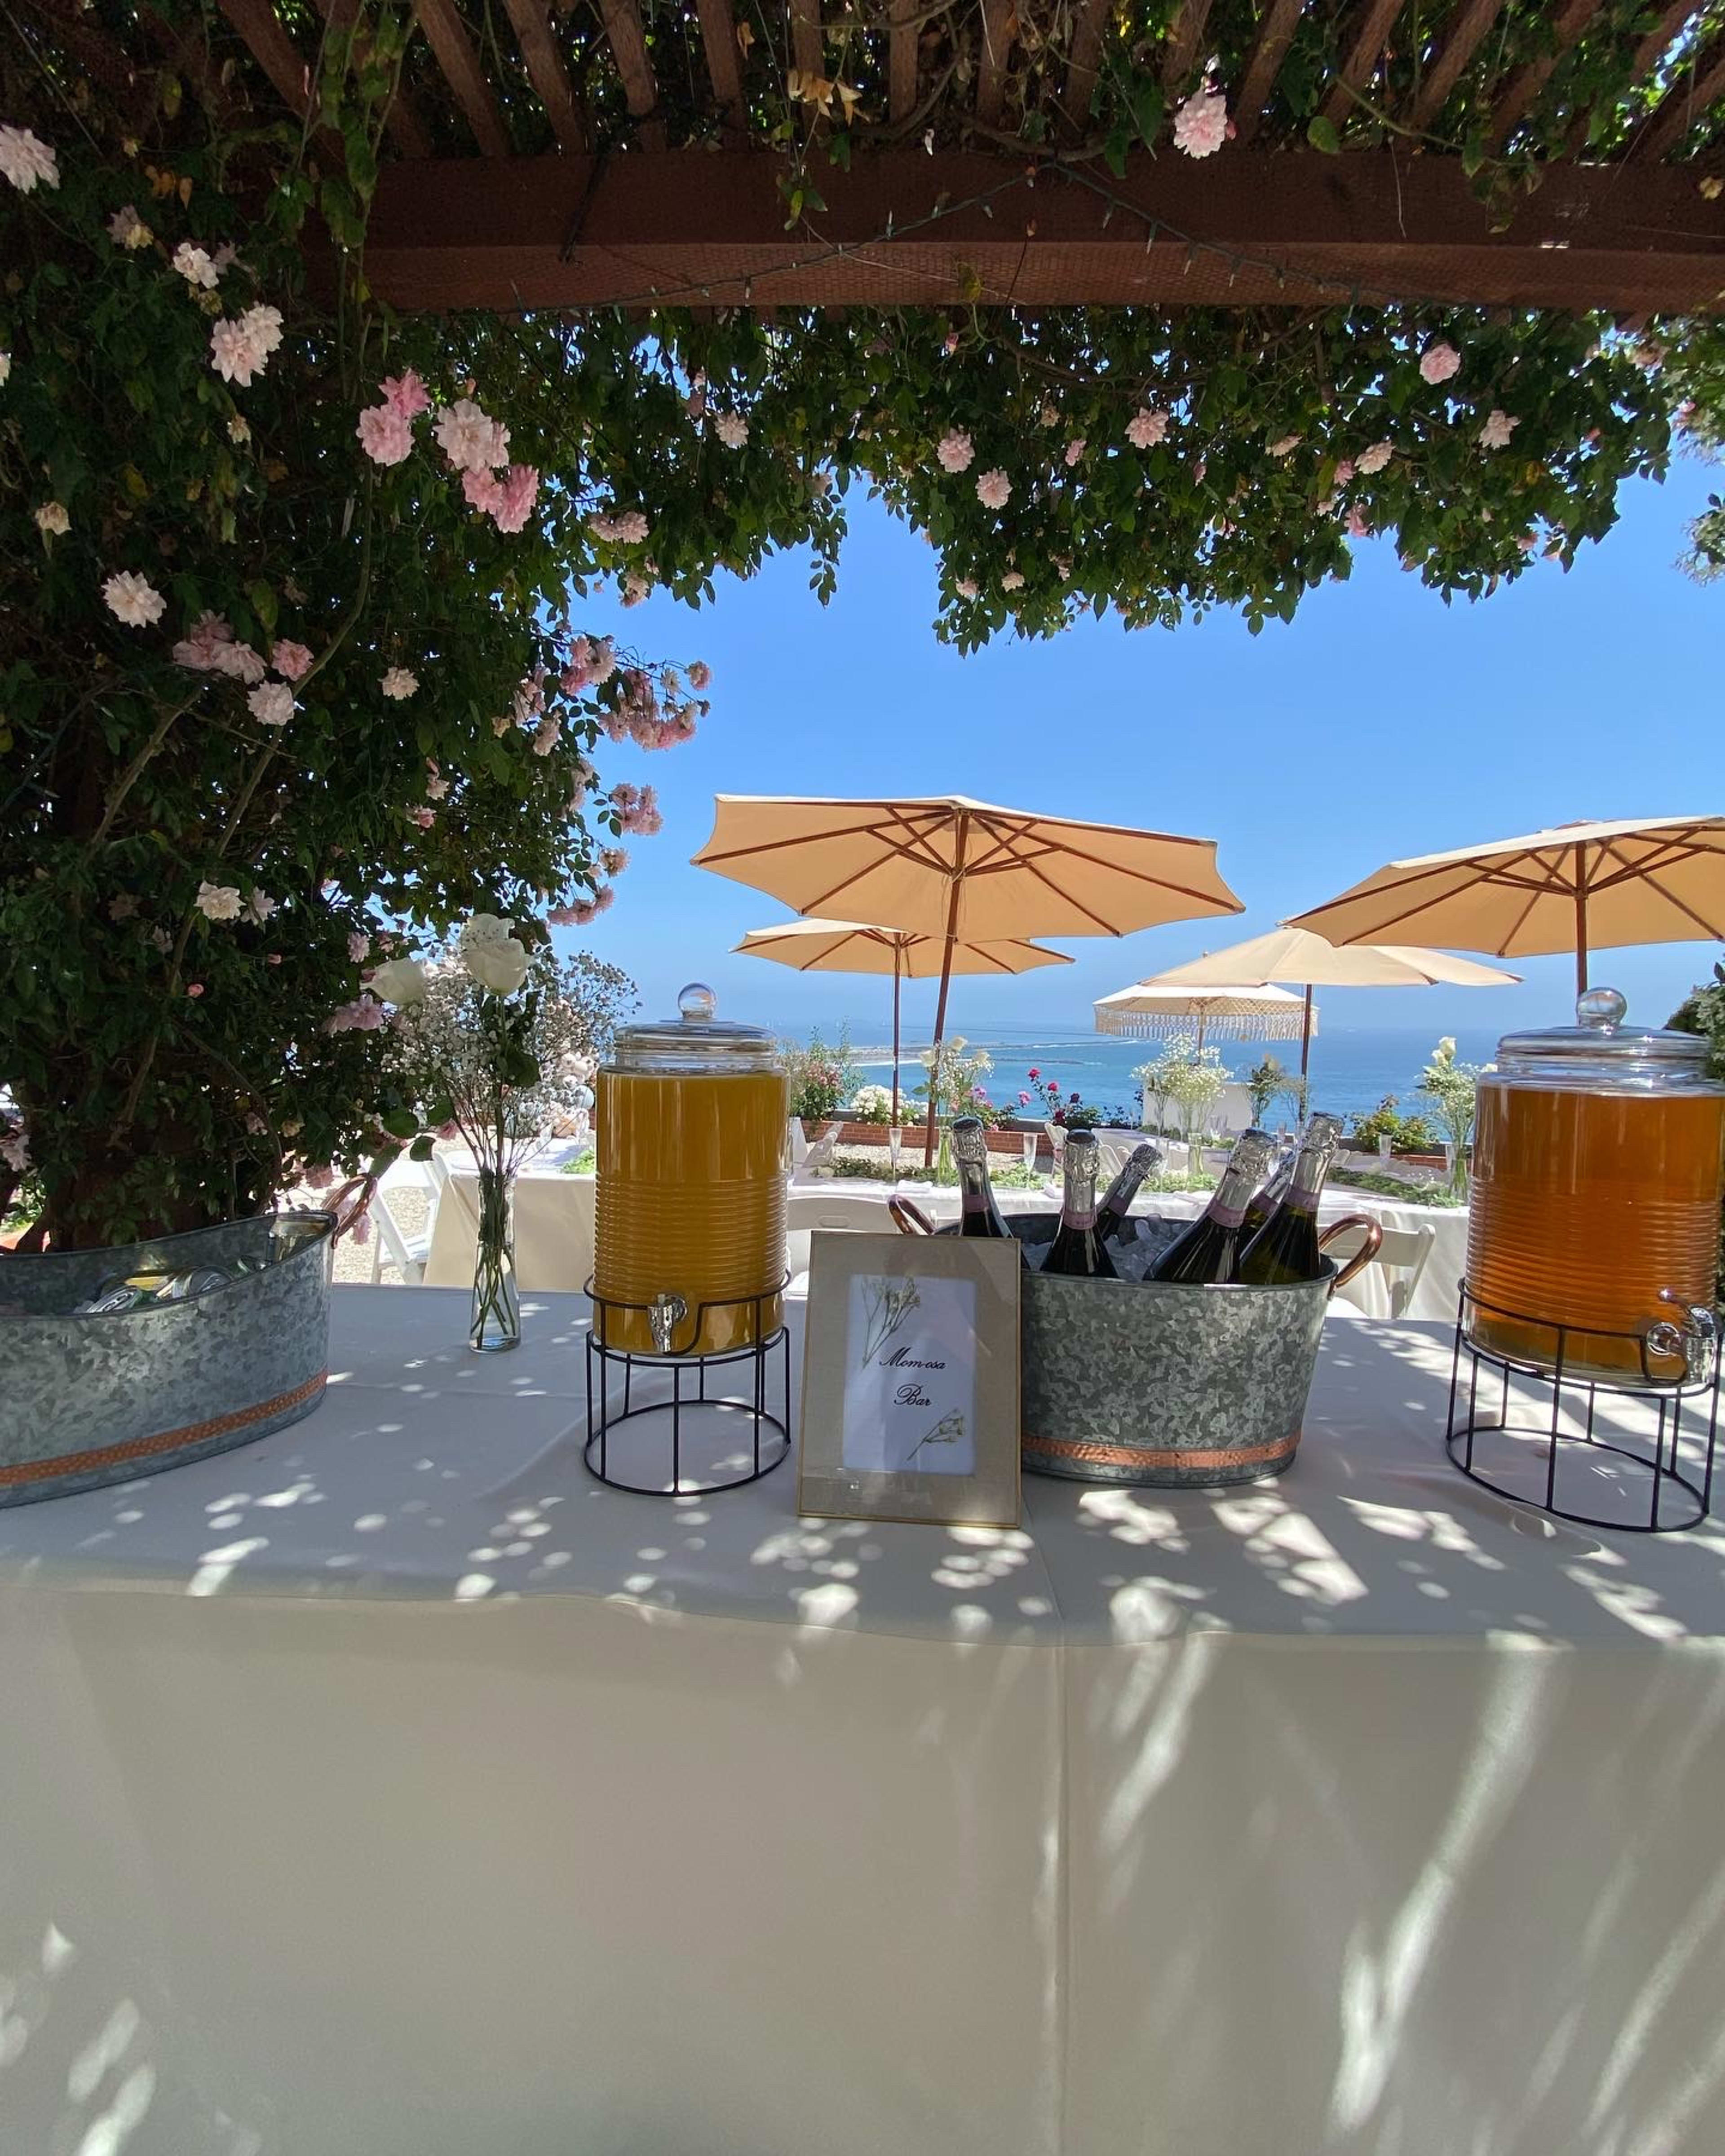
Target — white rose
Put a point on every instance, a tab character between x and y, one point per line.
399	981
483	928
499	968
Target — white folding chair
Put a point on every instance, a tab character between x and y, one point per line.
408	1252
804	1212
1401	1257
818	1156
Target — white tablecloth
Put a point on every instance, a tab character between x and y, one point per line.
553	1228
387	1788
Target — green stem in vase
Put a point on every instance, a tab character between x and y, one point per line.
495	1324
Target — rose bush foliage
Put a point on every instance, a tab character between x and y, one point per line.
288	663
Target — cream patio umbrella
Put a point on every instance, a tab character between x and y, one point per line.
1578	887
1298	955
851	947
961	871
1152	1010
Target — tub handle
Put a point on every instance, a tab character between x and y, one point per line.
1693	1340
353	1199
909	1217
1367	1251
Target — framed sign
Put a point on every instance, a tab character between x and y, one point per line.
910	1380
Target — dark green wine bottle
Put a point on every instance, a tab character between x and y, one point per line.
1077	1247
1284	1250
1207	1253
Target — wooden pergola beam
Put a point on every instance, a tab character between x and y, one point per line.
1361	65
1084	61
718	39
1275	33
406	130
1647	55
1185	35
1684	103
1527	83
994	49
1277	228
1458	48
272	49
808	50
629	47
902	59
452	50
545	71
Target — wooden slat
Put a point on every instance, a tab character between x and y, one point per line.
995	47
718	35
1526	83
406	130
628	47
1684	103
1083	63
1362	61
1458	48
902	59
1275	33
1185	35
1652	48
1277	228
447	36
807	53
272	49
545	70
103	63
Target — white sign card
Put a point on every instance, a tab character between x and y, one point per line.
910	1379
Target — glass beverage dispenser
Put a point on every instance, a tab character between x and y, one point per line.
689	1150
1597	1177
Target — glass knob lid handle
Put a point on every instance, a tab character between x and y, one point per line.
696	1002
1603	1009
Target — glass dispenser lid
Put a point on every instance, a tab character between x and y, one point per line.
1602	1053
694	1040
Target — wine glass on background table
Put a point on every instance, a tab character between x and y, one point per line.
1032	1140
895	1148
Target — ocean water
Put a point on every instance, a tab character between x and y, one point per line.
1353	1067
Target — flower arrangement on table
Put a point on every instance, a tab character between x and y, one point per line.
1453	1088
490	1043
1066	1111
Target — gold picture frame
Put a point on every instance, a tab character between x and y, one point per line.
910	1380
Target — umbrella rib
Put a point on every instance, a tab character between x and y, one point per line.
1668	855
1707	928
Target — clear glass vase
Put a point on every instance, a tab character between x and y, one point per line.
495	1323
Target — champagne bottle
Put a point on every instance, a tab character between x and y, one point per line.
1272	1190
1209	1248
1110	1214
1285	1249
1077	1247
979	1214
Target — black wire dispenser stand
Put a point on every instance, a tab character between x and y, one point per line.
1545	1441
766	1439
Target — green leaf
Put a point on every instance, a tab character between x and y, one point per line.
421	1148
839	152
401	1123
1321	134
263	603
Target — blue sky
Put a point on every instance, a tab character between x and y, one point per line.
1380	723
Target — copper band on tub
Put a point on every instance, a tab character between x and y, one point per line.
1134	1456
144	1448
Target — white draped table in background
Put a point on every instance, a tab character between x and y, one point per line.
554	1229
388	1788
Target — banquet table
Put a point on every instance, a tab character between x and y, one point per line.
389	1786
554	1228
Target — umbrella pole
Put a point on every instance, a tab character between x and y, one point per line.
960	838
1305	1035
1580	921
897	961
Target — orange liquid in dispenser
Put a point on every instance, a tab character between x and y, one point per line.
1584	1205
690	1202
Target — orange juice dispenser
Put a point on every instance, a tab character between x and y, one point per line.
691	1121
1597	1178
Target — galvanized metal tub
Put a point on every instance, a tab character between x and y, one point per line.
1183	1387
87	1400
